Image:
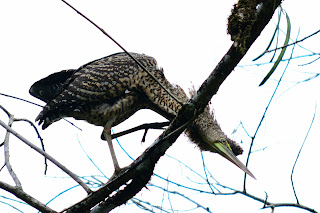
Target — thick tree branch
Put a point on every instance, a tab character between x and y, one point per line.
134	177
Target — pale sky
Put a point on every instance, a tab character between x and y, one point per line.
187	39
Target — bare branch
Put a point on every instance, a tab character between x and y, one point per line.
293	43
139	202
20	99
133	178
19	193
54	161
263	116
294	165
266	203
290	205
198	205
7	154
30	102
155	125
40	138
206	173
189	199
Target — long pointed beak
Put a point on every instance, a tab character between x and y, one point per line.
225	151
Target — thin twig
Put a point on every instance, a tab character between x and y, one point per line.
19	193
187	198
205	172
183	186
186	166
7	154
121	47
294	43
139	204
310	62
166	189
263	116
49	157
156	125
20	99
40	138
266	204
295	162
136	175
30	102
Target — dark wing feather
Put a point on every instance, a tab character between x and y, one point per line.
49	87
103	81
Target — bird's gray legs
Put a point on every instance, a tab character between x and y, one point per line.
107	135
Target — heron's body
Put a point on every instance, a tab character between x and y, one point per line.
112	89
109	90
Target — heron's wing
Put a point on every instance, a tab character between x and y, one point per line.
103	81
49	87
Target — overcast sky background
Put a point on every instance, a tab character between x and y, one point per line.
188	39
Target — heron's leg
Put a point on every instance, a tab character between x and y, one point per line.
107	136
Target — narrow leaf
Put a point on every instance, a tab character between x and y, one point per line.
275	65
273	36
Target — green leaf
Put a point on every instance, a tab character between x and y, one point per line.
273	36
275	65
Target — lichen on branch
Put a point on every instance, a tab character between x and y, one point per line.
240	22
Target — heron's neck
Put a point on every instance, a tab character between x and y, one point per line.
166	102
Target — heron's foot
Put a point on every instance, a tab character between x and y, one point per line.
103	137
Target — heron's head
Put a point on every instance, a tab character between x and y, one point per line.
229	149
206	133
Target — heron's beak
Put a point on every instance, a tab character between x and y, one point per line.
225	151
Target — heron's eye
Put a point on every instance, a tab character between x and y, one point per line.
224	141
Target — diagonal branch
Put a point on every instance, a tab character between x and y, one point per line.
134	177
18	192
49	157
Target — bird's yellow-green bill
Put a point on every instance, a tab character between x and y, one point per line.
225	151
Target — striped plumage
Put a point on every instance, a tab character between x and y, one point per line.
109	90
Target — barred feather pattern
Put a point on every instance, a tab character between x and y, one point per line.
111	89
